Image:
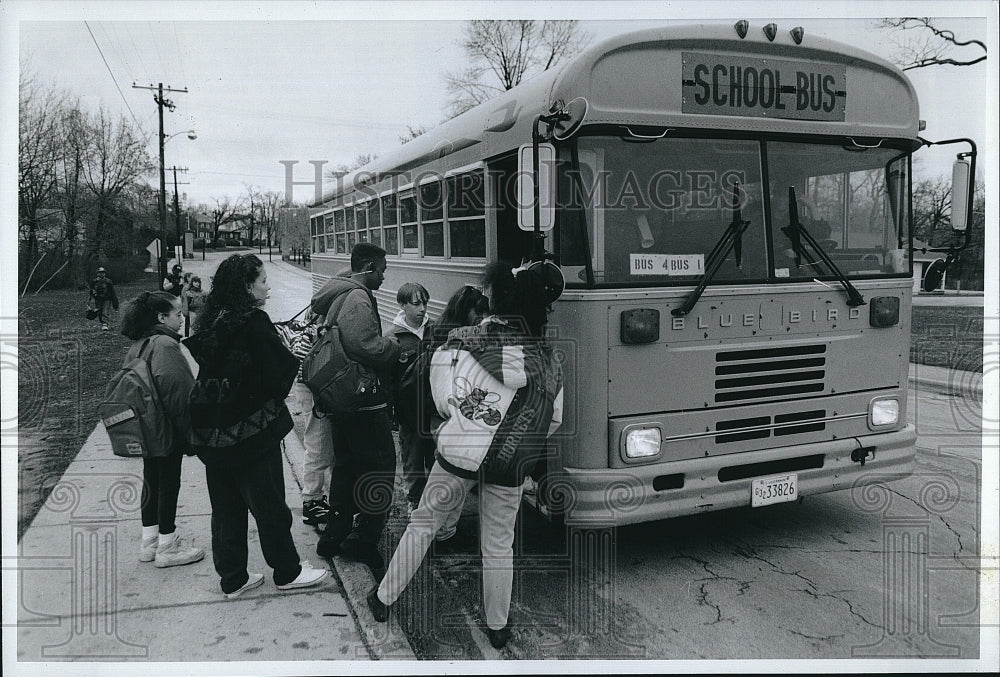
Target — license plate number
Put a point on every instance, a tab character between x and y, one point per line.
769	490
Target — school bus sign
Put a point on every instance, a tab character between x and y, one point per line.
715	84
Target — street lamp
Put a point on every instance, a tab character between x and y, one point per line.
163	196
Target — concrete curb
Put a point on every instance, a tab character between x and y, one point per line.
384	641
965	384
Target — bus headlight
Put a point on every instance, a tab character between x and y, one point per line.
642	442
883	412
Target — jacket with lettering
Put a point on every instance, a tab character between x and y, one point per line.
501	396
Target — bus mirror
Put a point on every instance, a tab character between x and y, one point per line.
526	176
960	194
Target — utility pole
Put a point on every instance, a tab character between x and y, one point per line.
161	102
177	211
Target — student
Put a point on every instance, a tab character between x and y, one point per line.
102	291
516	331
238	420
152	321
364	455
174	282
408	327
193	302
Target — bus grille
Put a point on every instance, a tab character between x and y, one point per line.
749	375
760	427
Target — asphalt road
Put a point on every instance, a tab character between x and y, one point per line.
885	572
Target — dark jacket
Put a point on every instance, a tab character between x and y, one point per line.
103	289
238	402
173	378
353	309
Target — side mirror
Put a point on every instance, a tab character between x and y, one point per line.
961	188
527	177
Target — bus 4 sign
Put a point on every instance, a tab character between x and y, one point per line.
715	84
666	264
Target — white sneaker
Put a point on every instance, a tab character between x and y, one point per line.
253	582
176	554
308	577
147	553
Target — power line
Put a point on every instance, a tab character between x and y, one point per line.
110	72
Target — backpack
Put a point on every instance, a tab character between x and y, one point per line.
338	383
133	413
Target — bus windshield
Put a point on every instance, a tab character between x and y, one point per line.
651	212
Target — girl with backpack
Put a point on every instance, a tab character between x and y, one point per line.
498	387
152	321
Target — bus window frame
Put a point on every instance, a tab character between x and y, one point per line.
408	193
455	177
424	223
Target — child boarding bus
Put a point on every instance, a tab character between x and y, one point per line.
730	209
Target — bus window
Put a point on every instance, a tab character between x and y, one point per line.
467	215
390	221
432	218
408	223
361	219
847	208
374	222
339	232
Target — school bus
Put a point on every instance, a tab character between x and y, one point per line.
729	207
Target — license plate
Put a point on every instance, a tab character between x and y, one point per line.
768	490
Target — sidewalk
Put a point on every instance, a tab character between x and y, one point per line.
84	596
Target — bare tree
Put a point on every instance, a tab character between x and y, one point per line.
503	53
116	158
921	43
412	133
223	212
39	149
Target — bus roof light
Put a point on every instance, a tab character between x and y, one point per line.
771	30
742	26
797	34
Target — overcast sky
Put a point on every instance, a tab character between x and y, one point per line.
290	81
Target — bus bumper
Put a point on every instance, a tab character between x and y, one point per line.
657	491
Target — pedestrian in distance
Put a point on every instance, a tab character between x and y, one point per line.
238	420
364	455
174	281
193	300
152	320
493	434
103	296
409	328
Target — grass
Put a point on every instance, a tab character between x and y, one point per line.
947	336
65	362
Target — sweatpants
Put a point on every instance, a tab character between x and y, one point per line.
256	487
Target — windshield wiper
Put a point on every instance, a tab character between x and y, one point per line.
796	232
732	239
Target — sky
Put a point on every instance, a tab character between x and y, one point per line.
272	82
